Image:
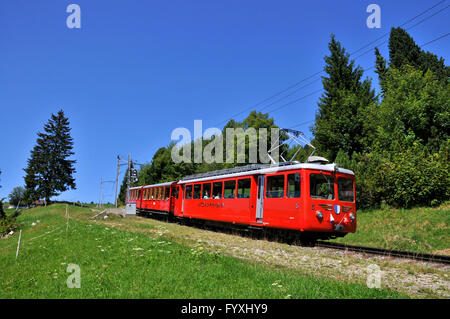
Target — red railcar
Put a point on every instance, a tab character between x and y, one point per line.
309	198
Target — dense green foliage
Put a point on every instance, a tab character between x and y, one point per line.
49	171
7	222
342	107
404	160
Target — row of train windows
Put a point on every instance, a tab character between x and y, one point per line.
154	193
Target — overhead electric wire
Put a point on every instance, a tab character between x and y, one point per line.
441	37
403	24
317	73
366	69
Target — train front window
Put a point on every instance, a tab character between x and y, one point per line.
244	188
345	189
230	189
197	191
275	186
293	188
188	194
321	186
217	190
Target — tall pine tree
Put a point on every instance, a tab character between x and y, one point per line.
340	120
49	170
404	50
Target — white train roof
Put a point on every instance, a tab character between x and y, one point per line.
268	170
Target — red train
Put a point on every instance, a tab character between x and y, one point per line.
314	200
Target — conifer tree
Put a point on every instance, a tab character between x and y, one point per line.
340	122
49	170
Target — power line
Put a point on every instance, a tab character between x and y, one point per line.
441	37
369	68
317	73
403	24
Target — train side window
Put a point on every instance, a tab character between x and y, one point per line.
188	194
150	196
321	186
244	188
206	192
159	193
229	189
275	186
176	192
217	190
167	193
197	191
293	185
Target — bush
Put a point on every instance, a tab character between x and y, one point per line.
409	177
7	223
416	178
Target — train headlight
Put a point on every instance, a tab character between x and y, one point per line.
352	217
319	215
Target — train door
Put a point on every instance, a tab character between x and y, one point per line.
181	196
178	193
173	196
260	199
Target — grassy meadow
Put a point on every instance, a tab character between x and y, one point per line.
124	264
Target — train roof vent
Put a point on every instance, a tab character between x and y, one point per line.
317	159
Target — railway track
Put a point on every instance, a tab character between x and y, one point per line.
386	252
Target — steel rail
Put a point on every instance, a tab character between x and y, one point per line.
387	252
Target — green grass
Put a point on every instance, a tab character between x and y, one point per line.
122	264
417	229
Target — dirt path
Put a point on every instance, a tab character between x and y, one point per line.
417	279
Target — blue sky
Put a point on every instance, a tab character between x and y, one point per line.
136	70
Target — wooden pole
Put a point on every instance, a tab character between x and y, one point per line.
67	216
18	244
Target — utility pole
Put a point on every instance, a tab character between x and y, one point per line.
100	200
100	197
128	177
117	179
